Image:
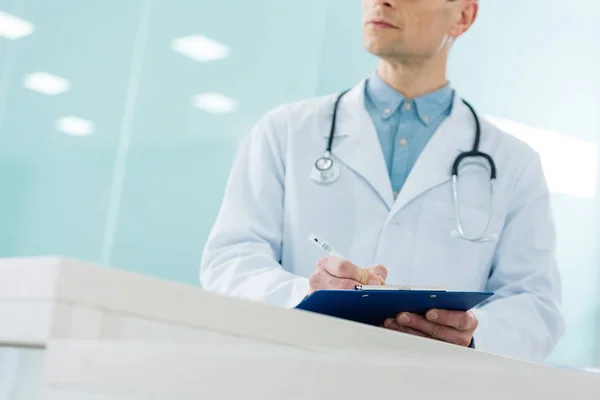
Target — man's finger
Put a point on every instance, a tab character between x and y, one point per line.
463	321
438	331
342	283
379	270
392	325
322	280
346	270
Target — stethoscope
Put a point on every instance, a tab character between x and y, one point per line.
326	171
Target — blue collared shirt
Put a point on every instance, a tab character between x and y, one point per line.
404	126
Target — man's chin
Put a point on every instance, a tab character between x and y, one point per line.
380	50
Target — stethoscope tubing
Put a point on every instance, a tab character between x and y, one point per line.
327	175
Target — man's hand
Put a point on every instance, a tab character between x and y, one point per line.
333	273
454	327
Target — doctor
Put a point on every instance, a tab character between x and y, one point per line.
399	179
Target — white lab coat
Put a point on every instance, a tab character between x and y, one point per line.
259	249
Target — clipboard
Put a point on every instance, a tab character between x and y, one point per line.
372	306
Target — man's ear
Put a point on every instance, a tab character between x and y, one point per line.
469	9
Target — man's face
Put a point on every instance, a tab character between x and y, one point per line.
413	29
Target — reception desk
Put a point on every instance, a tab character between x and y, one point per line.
71	330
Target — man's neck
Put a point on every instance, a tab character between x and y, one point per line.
413	79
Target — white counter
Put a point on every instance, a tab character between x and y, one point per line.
118	335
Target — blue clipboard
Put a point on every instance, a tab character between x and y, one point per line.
373	307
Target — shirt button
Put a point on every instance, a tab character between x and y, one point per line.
387	110
403	142
408	106
426	119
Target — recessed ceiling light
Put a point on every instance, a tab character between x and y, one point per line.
570	164
12	27
200	48
75	126
215	103
46	83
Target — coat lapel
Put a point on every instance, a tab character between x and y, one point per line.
360	149
433	167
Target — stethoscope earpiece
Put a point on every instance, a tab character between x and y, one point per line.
483	239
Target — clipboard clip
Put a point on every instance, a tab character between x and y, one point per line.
401	287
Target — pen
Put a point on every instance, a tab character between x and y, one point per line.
325	246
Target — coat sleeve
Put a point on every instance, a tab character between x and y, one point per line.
242	255
523	319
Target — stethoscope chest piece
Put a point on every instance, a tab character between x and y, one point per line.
325	170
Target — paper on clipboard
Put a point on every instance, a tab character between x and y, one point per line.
401	287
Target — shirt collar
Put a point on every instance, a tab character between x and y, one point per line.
387	99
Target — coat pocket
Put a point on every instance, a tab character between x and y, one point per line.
444	260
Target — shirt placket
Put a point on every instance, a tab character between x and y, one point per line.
407	124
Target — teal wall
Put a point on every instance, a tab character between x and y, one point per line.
142	192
